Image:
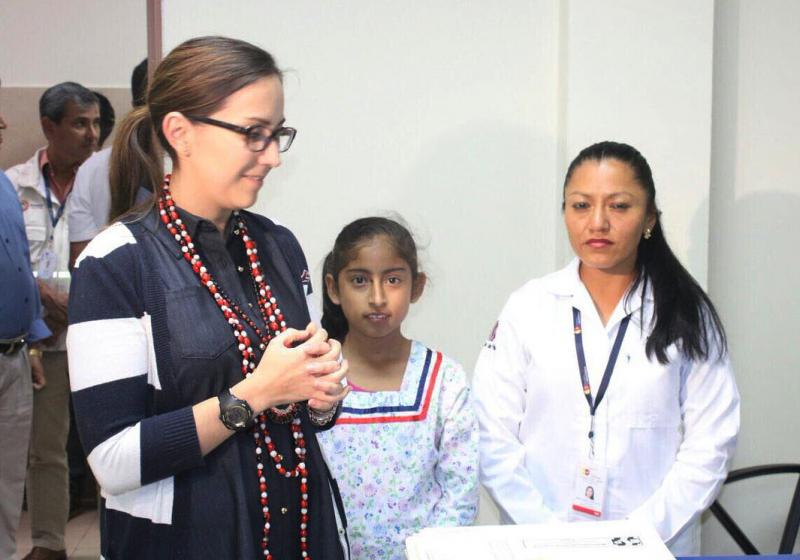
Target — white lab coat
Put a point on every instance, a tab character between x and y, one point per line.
665	432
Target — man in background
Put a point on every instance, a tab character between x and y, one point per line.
70	118
21	325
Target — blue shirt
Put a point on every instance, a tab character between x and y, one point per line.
20	308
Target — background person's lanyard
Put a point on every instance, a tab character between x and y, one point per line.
54	215
584	371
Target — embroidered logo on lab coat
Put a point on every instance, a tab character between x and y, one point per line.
490	341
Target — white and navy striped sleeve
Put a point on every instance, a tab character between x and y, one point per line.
113	372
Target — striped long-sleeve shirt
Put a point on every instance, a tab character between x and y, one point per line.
146	342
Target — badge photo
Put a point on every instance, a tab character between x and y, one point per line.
48	262
590	493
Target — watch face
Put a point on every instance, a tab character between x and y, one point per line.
234	413
237	415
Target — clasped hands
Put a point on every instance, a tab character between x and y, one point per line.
298	365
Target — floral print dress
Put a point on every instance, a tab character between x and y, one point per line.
406	459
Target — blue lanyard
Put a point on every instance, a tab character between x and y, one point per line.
54	217
584	371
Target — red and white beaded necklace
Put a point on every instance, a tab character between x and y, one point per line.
274	320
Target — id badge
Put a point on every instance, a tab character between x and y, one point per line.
590	492
48	261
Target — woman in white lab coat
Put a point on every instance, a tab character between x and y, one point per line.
611	373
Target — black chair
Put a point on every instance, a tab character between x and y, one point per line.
792	520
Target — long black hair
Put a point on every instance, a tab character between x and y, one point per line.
345	249
684	314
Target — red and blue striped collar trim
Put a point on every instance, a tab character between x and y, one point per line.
400	413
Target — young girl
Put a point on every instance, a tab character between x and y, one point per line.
404	449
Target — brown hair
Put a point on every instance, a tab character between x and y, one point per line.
195	79
345	249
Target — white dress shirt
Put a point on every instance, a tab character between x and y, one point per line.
666	433
43	236
90	200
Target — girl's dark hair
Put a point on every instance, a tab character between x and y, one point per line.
684	314
345	249
195	79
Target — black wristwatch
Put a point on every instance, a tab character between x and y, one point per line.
235	413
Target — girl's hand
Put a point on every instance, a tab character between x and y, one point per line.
331	386
330	389
289	369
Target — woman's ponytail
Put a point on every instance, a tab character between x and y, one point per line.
135	162
684	313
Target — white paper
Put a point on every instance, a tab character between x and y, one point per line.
602	540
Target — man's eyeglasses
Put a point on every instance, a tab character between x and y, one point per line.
258	136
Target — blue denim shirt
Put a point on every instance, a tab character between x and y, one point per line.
20	308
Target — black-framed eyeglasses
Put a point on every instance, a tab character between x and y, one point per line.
258	136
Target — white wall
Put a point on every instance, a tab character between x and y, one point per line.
463	119
640	73
753	269
95	43
444	112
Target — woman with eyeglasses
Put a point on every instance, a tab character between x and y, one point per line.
198	380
